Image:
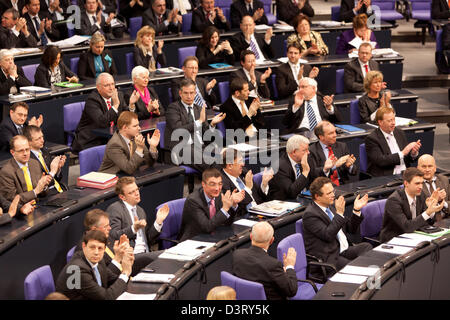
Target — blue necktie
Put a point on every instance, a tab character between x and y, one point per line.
329	213
242	186
43	37
297	170
97	276
311	116
254	49
198	97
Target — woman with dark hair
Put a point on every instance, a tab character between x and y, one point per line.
360	30
146	53
52	69
210	51
310	42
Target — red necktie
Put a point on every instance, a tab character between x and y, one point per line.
160	21
108	104
367	68
208	14
212	209
334	175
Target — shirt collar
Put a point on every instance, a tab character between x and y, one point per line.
127	141
293	163
208	199
410	199
187	106
129	206
21	165
293	64
323	208
324	146
237	101
92	265
232	178
36	152
362	63
386	135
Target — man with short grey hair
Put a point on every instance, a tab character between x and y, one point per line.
11	76
14	32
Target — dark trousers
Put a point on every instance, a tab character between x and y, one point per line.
352	253
141	260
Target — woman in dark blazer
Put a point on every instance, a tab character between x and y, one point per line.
373	99
146	53
360	30
210	51
96	60
52	69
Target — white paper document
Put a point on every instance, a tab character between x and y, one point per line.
348	278
245	222
284	27
416	236
153	277
328	23
243	147
397	250
19	51
70	42
186	250
357	41
286	59
400	121
134	296
261	27
360	271
405	242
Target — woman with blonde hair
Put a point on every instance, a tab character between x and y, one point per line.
373	98
221	293
360	30
310	42
146	53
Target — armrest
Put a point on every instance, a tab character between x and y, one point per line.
313	285
322	266
372	240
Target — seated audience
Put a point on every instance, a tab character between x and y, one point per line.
343	163
9	209
356	70
308	107
145	51
408	209
310	42
132	8
388	150
373	97
325	227
183	6
17	5
52	69
242	112
96	60
290	73
40	24
14	31
221	293
11	75
207	207
209	50
288	10
126	151
247	39
360	30
255	264
351	8
252	8
58	12
92	19
440	9
208	15
163	21
97	281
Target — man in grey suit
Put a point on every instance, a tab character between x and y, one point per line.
126	217
432	181
126	150
356	69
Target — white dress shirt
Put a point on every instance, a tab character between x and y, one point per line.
393	146
295	68
315	107
342	238
260	53
413	215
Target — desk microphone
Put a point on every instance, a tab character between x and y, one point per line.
161	290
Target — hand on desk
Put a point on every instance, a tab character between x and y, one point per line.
73	79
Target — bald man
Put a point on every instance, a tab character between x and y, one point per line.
255	264
432	181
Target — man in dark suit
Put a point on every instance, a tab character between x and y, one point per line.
432	181
287	10
40	24
325	226
207	15
349	9
23	176
96	281
11	76
289	74
260	44
295	173
440	9
126	151
92	20
14	32
328	148
204	89
388	151
255	264
15	123
9	4
207	208
355	70
101	110
130	219
242	112
235	178
307	108
242	8
57	10
162	20
408	209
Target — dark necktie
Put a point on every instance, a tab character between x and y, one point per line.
43	36
430	185
250	10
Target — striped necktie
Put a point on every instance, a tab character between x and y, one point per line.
311	116
297	170
41	160
198	100
254	49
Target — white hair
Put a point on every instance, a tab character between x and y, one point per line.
138	70
310	81
101	76
5	53
294	142
262	232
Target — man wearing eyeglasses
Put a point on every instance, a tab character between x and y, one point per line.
207	208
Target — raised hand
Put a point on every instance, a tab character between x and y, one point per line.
314	72
73	79
202	117
290	258
268	35
218	118
227	201
13	206
115	98
359	203
140	143
249	179
329	163
328	101
305	165
135	96
27	208
299	99
267	176
211	84
253	109
237	196
342	160
265	75
162	214
153	141
339	203
42	183
350	161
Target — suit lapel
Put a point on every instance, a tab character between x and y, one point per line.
124	145
126	213
405	204
398	137
383	143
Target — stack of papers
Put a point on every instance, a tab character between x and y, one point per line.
286	59
168	70
98	180
400	121
262	27
354	274
19	51
245	222
284	27
357	41
134	296
405	242
187	250
70	42
384	52
274	208
348	278
328	23
243	147
153	277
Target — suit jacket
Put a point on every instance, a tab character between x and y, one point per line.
287	10
13	182
7	131
169	4
346	12
238	43
5	217
149	19
344	46
206	57
48	160
285	81
442	183
88	29
263	88
141	108
238	10
381	162
144	60
196	220
6	4
210	99
121	223
7	83
53	34
292	120
111	288
135	11
367	106
86	66
317	156
320	233
42	76
9	40
117	157
199	22
353	76
440	9
397	218
234	119
95	115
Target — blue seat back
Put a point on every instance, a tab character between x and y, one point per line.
172	223
299	226
30	71
355	117
339	81
72	115
135	25
362	157
161	126
257	178
74	64
70	253
294	241
91	159
187	22
39	283
224	90
129	58
373	218
438	40
335	13
245	290
185	52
